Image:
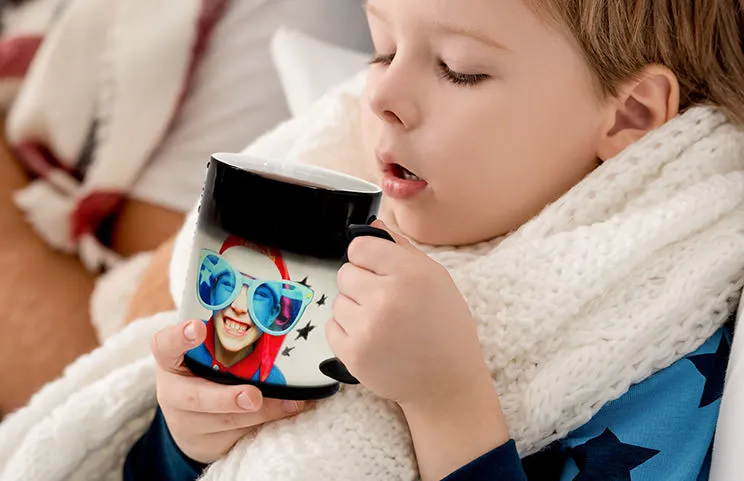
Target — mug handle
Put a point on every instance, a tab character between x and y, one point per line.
333	367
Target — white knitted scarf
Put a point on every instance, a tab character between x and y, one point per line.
628	272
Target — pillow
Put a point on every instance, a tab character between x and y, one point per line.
309	67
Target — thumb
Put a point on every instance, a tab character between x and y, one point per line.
170	344
398	238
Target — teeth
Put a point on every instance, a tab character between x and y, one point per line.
408	175
236	326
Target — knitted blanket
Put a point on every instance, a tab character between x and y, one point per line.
625	274
100	95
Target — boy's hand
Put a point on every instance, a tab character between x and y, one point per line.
206	419
401	326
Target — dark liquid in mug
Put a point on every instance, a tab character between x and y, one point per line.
295	181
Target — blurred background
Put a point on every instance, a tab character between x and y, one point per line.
110	110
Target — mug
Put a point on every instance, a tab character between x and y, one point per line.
269	240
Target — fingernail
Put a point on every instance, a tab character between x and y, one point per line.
189	332
290	407
245	402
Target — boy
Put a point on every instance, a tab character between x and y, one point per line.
498	109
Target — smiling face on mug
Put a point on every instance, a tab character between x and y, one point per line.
236	331
234	327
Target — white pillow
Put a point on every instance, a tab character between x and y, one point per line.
309	67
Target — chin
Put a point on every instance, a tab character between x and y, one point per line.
233	349
429	230
229	344
230	347
421	228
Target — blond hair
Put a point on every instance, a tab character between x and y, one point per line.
701	41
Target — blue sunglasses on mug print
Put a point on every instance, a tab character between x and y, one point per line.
275	306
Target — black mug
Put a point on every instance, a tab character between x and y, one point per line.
270	238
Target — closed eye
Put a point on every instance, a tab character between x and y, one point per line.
380	59
459	78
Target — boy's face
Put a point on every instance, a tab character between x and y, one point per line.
235	328
490	106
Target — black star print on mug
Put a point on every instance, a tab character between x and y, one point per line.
322	300
305	331
304	282
287	351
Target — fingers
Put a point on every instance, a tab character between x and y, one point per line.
170	344
341	328
399	239
275	409
345	311
194	394
380	255
272	410
337	338
377	255
354	282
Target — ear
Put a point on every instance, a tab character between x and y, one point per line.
645	103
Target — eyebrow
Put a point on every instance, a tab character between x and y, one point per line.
443	27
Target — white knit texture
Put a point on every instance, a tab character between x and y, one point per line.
113	292
628	272
90	416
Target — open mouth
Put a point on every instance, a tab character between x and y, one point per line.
234	327
399	182
401	172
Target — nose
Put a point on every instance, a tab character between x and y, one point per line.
392	98
240	304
